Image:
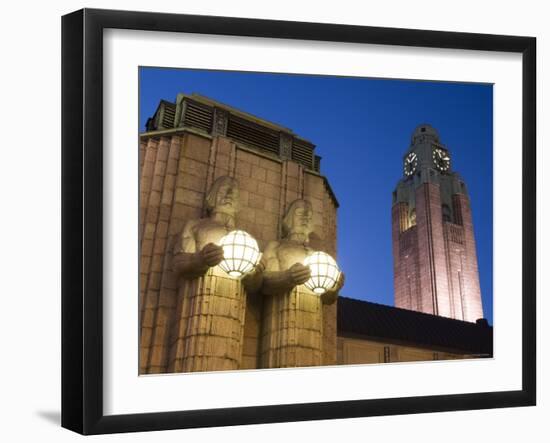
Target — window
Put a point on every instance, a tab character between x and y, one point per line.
446	213
412	217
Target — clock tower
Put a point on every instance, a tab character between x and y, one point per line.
434	252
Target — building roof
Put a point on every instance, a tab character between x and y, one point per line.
211	117
358	317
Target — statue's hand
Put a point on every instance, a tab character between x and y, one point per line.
253	280
339	283
211	254
331	295
298	274
260	267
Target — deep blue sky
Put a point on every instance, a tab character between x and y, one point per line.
361	127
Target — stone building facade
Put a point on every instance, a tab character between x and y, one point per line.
434	251
188	144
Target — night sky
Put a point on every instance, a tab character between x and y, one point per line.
361	127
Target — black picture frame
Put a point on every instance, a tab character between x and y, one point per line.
82	218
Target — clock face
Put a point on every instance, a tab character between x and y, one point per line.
410	163
441	159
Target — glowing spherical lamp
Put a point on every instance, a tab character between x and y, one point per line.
240	253
324	272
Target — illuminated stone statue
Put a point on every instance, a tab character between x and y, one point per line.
293	315
211	305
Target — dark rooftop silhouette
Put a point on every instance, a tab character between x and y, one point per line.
358	317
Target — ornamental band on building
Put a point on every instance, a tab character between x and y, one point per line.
207	171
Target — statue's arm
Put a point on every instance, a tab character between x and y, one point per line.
189	262
276	280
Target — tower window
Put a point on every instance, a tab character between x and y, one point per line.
412	217
446	213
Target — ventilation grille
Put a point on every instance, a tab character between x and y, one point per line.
253	134
198	116
169	115
457	210
302	153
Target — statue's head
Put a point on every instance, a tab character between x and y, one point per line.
298	218
223	196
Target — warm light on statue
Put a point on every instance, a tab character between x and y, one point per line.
324	272
240	253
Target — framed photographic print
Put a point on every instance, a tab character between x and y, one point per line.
270	221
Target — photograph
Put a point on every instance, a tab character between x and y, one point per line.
293	220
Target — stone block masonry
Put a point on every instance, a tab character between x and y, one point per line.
176	170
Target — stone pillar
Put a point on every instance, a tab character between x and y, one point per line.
471	290
153	241
219	125
285	146
292	330
399	225
432	260
210	324
454	248
160	278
